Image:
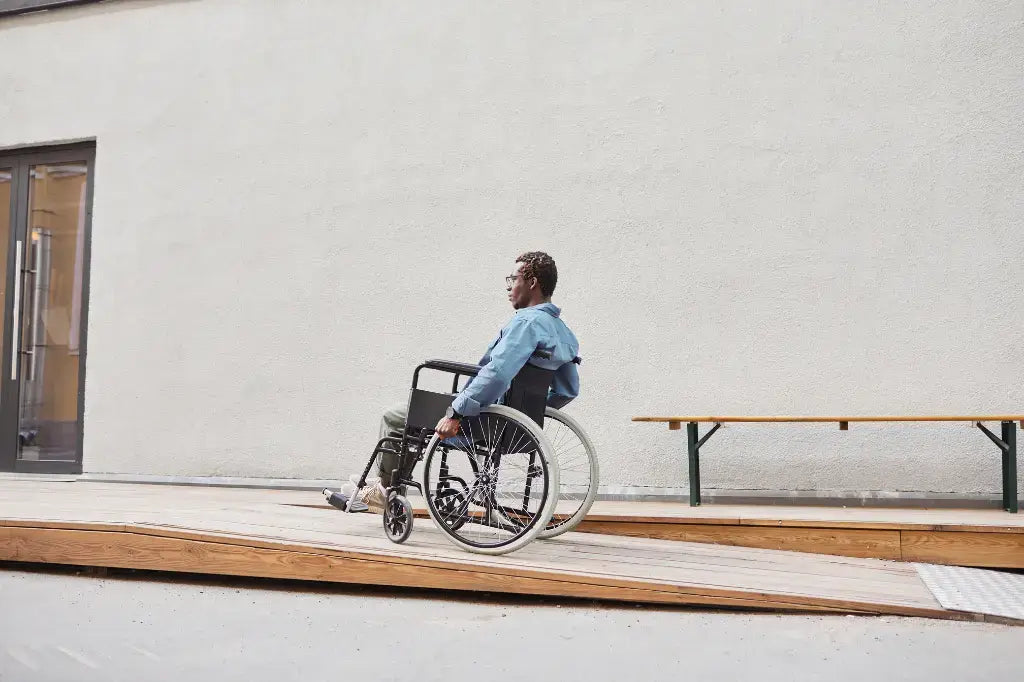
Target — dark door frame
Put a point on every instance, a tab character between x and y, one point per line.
20	161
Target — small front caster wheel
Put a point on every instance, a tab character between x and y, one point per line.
397	518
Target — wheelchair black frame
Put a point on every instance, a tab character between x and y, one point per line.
527	394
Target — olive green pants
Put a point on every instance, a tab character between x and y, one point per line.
392	423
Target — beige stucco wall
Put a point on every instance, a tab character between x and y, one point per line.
768	208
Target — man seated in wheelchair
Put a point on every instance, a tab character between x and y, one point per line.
536	335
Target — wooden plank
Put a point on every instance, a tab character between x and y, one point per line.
697	564
277	516
806	576
878	518
128	550
582	564
192	556
91	501
959	546
878	544
83	498
593	558
96	498
430	546
963	548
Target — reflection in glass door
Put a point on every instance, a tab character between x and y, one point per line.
51	259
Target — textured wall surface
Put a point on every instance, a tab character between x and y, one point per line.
793	207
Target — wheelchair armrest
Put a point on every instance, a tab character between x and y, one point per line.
462	368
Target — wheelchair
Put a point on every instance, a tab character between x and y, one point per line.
518	471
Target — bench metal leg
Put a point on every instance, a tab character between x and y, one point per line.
693	445
1010	467
693	450
1008	447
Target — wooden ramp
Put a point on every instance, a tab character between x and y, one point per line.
274	534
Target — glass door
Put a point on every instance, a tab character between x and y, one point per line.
46	257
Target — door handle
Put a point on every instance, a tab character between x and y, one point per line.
16	318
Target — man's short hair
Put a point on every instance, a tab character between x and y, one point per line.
542	266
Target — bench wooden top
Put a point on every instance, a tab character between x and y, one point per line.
764	420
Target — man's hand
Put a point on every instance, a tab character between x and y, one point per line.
446	428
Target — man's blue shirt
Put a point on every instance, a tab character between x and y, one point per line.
538	327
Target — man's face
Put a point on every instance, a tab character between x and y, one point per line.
519	291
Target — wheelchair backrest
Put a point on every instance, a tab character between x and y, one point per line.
528	392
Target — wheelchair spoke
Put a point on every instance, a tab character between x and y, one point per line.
514	447
494	495
577	471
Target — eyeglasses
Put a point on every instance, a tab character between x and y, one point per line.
512	278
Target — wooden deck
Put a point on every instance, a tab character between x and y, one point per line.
276	534
963	537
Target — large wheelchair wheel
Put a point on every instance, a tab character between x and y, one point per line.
578	471
492	487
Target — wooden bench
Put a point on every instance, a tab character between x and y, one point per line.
1007	444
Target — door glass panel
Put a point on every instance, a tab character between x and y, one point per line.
50	308
6	199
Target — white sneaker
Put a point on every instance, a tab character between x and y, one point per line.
373	496
348	488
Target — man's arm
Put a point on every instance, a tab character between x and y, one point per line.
508	356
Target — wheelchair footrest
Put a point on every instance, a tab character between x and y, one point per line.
339	501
